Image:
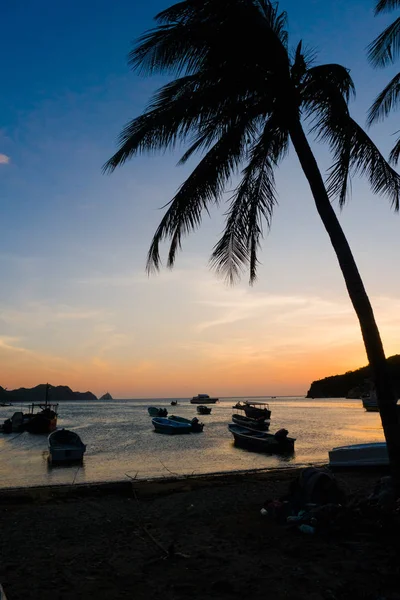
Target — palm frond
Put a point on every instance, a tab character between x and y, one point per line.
179	110
204	186
386	47
395	153
386	6
354	152
387	100
251	206
319	82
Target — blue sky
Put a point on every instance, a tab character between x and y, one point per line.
75	304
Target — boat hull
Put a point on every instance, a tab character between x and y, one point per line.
65	447
252	424
154	411
196	400
169	427
259	441
40	424
359	455
195	424
204	410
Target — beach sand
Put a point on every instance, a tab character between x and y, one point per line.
92	543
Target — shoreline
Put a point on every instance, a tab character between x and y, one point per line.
143	486
161	486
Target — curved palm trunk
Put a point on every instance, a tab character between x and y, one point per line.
355	287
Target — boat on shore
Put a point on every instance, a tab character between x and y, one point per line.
359	455
260	441
195	424
203	410
162	425
155	411
249	423
65	447
203	399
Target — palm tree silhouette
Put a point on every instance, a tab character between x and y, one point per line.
240	97
383	51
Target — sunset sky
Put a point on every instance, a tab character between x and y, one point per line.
76	306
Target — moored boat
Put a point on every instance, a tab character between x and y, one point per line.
257	424
203	410
359	455
260	441
370	401
41	418
256	410
162	425
203	399
195	424
154	411
174	402
14	424
65	446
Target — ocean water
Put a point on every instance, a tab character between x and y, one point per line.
121	441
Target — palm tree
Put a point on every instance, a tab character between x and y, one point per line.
383	51
240	97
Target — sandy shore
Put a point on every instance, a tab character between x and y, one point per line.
107	542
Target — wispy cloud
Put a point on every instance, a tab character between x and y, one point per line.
4	159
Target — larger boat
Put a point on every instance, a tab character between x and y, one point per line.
260	441
203	399
41	417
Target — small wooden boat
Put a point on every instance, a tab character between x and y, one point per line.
195	424
65	447
260	441
203	410
359	455
162	425
154	411
256	424
203	399
174	402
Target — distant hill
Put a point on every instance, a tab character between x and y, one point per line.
57	393
106	396
353	383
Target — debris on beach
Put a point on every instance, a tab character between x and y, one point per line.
316	504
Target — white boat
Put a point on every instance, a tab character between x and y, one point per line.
359	455
203	399
65	446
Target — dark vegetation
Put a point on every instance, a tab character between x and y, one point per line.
353	383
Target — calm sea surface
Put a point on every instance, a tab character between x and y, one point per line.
121	441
